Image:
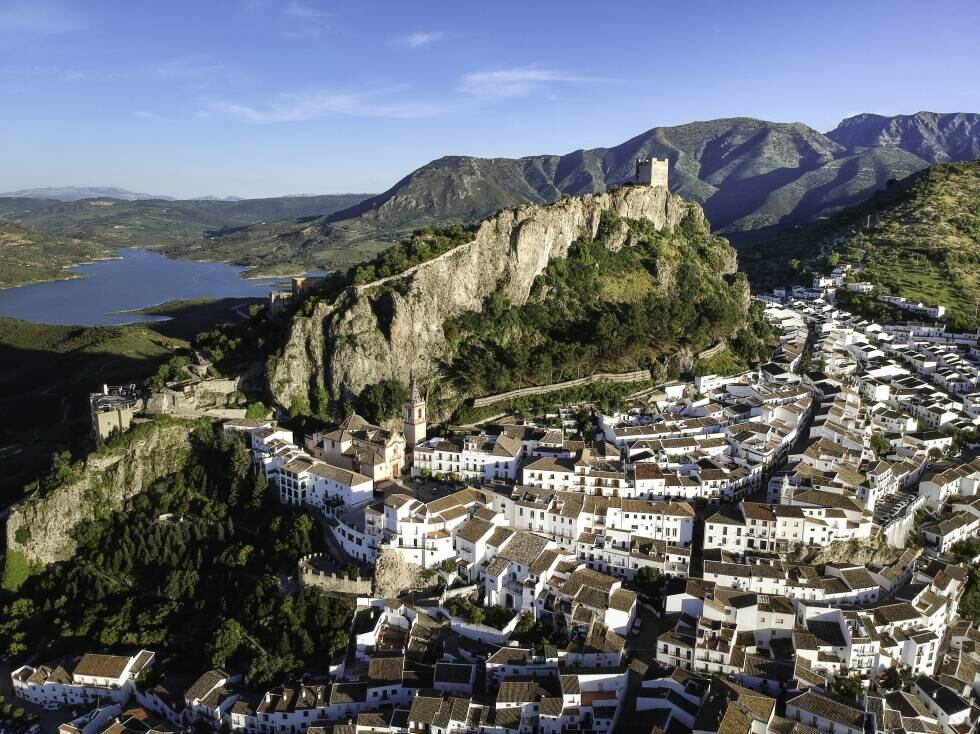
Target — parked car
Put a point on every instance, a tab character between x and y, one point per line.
53	706
635	629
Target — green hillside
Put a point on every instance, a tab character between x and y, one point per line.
30	256
662	299
287	245
919	238
208	585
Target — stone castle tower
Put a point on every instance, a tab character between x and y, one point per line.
652	171
414	417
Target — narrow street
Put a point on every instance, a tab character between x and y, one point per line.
697	541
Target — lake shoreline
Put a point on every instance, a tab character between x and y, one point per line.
246	271
118	290
65	268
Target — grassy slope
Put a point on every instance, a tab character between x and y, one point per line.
277	246
47	372
923	241
30	256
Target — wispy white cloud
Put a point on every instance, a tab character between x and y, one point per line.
37	17
50	73
304	21
520	81
198	70
314	104
151	116
420	39
298	9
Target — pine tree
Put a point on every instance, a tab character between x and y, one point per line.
259	488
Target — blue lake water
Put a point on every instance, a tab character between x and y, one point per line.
138	280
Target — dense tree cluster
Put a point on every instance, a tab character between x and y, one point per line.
191	567
970	601
532	632
468	610
870	307
382	400
966	550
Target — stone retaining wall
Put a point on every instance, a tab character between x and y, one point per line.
635	376
307	575
712	351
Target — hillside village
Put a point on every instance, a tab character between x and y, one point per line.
459	368
780	550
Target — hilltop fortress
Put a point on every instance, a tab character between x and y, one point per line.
652	171
391	328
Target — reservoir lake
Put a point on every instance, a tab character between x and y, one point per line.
108	289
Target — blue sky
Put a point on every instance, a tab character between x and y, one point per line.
271	97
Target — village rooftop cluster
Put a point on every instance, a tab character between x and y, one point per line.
693	562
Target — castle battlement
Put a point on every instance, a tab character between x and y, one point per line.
652	171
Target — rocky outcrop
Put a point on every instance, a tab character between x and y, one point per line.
394	327
299	373
874	550
393	575
40	527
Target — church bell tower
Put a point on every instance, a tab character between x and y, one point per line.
414	417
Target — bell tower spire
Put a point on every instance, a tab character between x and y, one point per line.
414	416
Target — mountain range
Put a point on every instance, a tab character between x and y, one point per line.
748	174
74	193
753	178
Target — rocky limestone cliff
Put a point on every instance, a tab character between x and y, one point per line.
393	327
40	527
393	575
864	551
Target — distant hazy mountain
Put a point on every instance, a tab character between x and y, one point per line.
74	193
749	174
